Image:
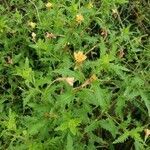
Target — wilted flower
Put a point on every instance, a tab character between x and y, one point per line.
115	12
32	24
9	60
50	35
89	81
79	18
48	5
69	80
79	57
147	133
33	36
104	33
121	53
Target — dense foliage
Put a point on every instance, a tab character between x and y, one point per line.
74	74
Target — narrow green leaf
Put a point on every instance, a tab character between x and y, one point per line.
69	143
146	101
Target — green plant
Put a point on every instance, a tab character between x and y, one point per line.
74	74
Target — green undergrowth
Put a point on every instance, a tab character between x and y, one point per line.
74	75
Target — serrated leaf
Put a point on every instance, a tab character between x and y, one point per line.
36	127
122	138
62	127
101	95
134	133
138	145
11	124
110	126
120	105
146	101
92	126
72	125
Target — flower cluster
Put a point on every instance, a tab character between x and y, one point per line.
79	57
79	18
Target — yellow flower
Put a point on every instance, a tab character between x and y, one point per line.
79	57
48	5
32	24
90	5
79	18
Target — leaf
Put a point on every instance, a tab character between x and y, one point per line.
40	45
72	125
25	71
88	96
52	142
36	127
11	124
96	138
120	105
138	145
93	125
125	123
28	95
65	98
101	95
122	138
69	145
146	101
119	70
62	127
121	1
134	133
110	126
